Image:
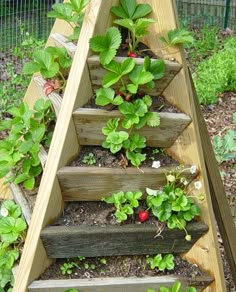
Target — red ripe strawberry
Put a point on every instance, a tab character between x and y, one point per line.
132	55
143	216
127	97
120	93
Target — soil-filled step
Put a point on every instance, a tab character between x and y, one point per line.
97	72
93	183
130	284
89	123
109	240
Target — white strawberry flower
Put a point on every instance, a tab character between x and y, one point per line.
170	178
193	169
4	212
156	164
198	185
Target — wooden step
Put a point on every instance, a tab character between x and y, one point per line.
62	41
97	72
119	284
75	182
89	123
113	240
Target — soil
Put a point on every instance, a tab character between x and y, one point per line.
105	158
119	266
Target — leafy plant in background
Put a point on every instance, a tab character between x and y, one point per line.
176	287
124	204
28	129
225	147
52	62
217	74
132	18
72	12
12	236
160	262
177	36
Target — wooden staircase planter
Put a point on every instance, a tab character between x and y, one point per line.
89	123
66	145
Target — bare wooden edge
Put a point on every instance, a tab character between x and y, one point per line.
75	182
42	156
119	284
220	204
62	41
5	192
64	145
55	98
188	147
89	124
97	73
139	239
20	199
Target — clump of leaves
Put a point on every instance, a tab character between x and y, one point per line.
72	12
177	36
28	129
13	232
50	62
172	205
67	268
161	262
176	287
106	45
89	159
131	17
124	204
225	146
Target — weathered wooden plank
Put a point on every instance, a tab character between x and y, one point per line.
76	182
97	72
64	147
55	98
21	201
89	123
114	240
220	204
120	284
62	41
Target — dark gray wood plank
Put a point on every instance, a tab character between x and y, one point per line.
130	239
76	182
89	124
119	284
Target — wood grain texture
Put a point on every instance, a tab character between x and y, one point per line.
188	147
61	41
119	284
5	192
55	98
219	200
97	73
76	182
89	123
112	240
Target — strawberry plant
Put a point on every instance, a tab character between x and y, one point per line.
172	204
124	204
161	262
177	36
132	18
68	267
28	129
12	230
72	12
51	62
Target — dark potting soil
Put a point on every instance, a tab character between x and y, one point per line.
159	104
117	266
104	158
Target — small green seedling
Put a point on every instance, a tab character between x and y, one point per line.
89	159
176	287
68	268
124	204
160	262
